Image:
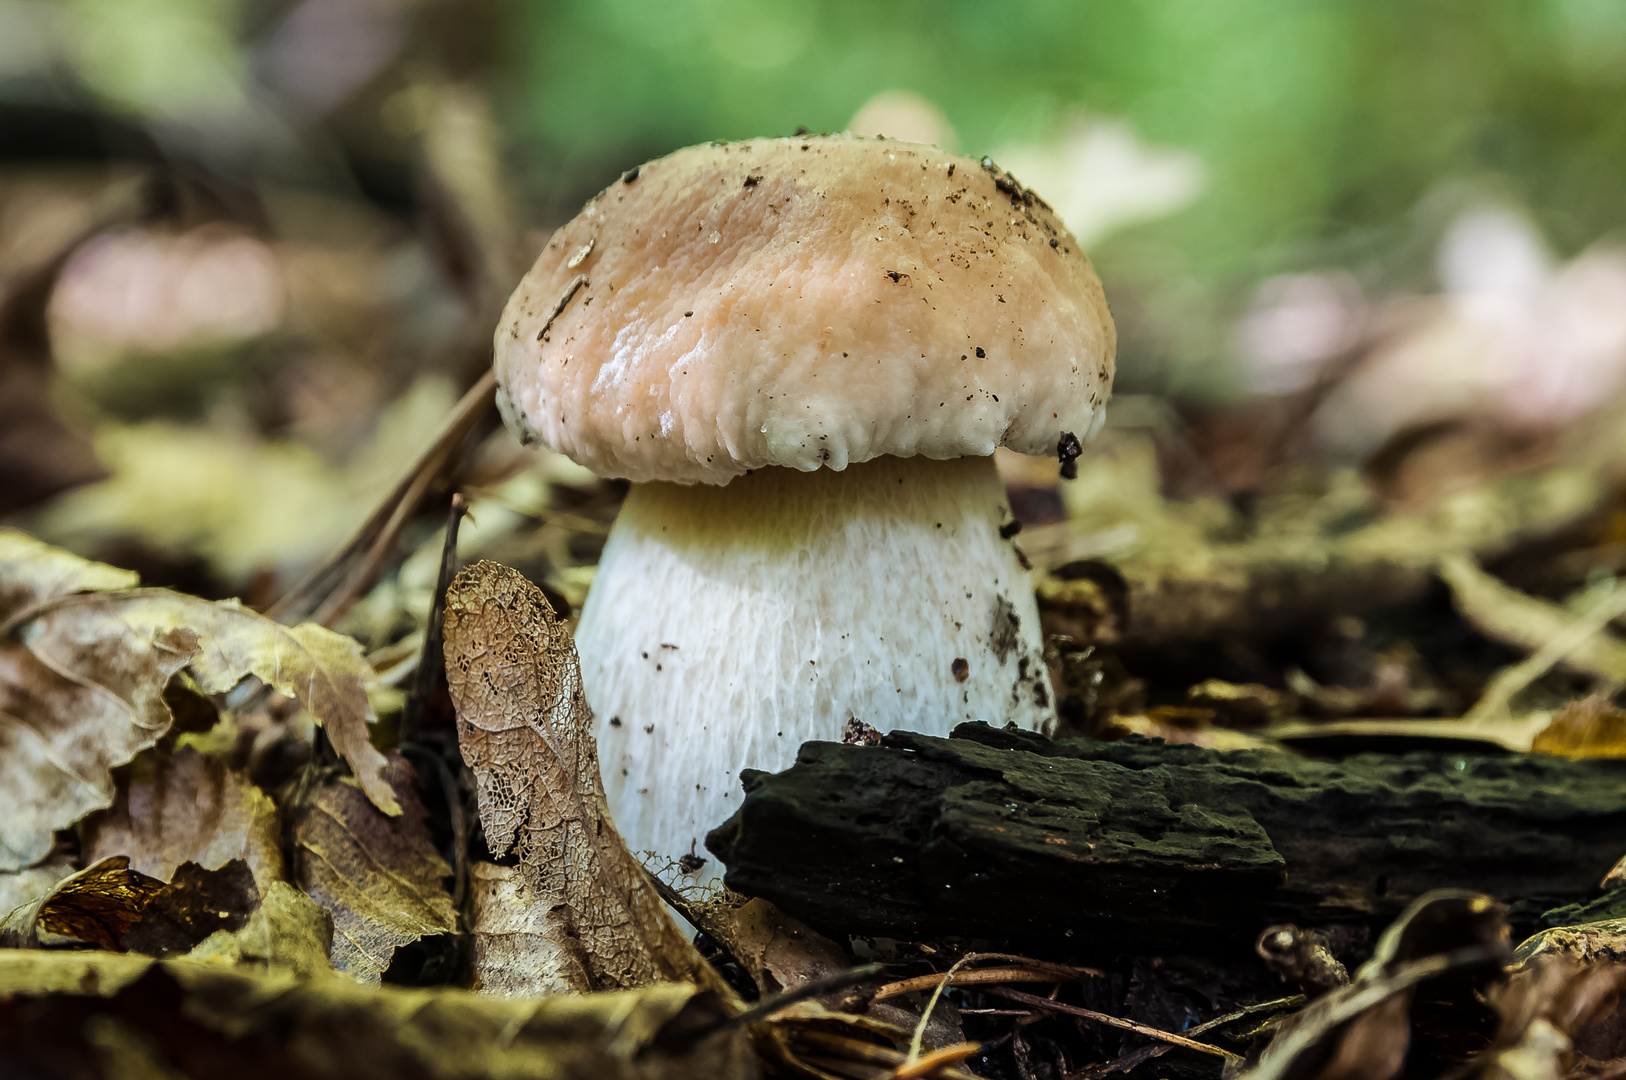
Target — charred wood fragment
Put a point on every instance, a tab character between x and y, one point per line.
1135	845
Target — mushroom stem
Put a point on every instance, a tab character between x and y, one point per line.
728	625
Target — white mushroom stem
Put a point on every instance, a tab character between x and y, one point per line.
728	625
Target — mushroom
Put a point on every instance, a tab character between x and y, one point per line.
803	353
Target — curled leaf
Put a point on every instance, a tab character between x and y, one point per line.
82	681
96	906
32	572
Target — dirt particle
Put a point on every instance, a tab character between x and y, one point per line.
980	354
1068	449
1004	635
961	668
615	721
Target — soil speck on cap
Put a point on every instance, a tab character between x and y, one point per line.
980	354
961	668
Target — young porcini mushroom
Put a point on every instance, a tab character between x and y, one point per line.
803	353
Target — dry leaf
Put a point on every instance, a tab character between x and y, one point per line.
32	572
1590	728
19	887
378	877
82	680
96	906
287	931
526	731
194	905
208	1020
1552	1008
186	806
518	951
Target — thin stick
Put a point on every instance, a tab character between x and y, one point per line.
329	590
433	660
967	978
1111	1021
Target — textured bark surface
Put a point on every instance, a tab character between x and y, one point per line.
1133	845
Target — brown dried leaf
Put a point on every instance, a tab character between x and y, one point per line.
194	905
1590	728
526	731
97	906
32	572
378	877
182	807
288	931
82	680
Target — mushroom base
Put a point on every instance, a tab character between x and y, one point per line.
728	625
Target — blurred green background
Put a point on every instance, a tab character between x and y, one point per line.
1324	226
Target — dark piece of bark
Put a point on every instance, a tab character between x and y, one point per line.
1135	845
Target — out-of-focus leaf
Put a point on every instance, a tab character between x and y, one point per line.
1527	622
82	679
1362	1031
32	572
187	807
288	931
1590	728
19	887
379	877
526	731
245	504
1552	1009
204	1019
96	906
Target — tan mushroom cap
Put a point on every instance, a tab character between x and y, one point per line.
804	302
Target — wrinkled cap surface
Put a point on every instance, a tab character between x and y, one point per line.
805	302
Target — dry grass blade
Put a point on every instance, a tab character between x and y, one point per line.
1111	1021
1529	623
526	731
831	1050
329	591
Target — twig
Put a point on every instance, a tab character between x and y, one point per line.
970	978
857	1050
434	658
1111	1021
1147	1053
327	592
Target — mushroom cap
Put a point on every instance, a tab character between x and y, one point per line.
806	302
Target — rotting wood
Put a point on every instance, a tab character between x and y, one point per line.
1080	847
